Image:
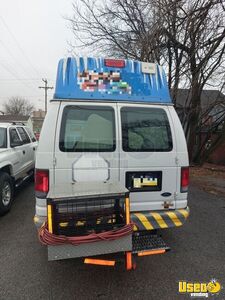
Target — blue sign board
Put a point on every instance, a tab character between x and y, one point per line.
111	79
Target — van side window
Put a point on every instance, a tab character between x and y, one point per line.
145	129
87	128
24	136
14	137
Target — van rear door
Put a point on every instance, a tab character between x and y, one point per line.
85	147
148	156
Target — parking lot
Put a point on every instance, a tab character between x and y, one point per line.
197	255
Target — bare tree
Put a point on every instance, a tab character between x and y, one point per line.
195	31
117	27
212	123
18	106
188	37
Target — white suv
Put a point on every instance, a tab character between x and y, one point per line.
17	155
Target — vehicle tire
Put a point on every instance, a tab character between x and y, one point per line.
6	192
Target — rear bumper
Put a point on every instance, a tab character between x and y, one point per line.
150	220
38	221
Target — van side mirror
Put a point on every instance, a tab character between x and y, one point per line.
16	144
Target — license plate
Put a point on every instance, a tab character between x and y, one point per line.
144	181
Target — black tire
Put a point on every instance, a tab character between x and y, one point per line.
6	192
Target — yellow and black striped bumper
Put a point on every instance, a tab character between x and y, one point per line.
147	220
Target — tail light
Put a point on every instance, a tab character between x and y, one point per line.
41	183
116	63
184	179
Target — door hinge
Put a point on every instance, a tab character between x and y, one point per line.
176	160
54	161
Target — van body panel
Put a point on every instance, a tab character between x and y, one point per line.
45	151
114	165
182	155
41	210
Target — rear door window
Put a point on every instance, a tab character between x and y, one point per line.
145	130
14	136
24	136
87	129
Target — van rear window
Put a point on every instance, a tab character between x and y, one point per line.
145	129
87	129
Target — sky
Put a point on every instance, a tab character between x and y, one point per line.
34	35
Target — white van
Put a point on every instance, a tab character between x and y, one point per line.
113	121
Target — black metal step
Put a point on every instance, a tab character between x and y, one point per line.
143	241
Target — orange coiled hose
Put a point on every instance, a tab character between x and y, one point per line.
47	238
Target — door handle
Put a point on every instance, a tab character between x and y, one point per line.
34	148
24	151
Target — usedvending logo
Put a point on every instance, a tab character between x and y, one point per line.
200	289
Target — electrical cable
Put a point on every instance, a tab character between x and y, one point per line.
47	238
15	76
19	47
22	67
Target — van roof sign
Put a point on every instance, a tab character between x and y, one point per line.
111	79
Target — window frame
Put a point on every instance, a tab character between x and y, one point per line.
20	127
63	126
125	147
14	128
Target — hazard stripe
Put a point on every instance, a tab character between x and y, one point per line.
174	218
135	228
152	221
167	220
139	225
184	212
181	217
163	219
144	221
159	220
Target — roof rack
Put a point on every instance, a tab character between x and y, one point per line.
18	123
13	122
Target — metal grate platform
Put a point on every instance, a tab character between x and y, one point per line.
86	216
143	241
82	208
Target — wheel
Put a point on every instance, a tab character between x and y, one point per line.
6	193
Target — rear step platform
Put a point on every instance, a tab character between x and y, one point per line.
146	241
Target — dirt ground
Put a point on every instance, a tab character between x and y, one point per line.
210	178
